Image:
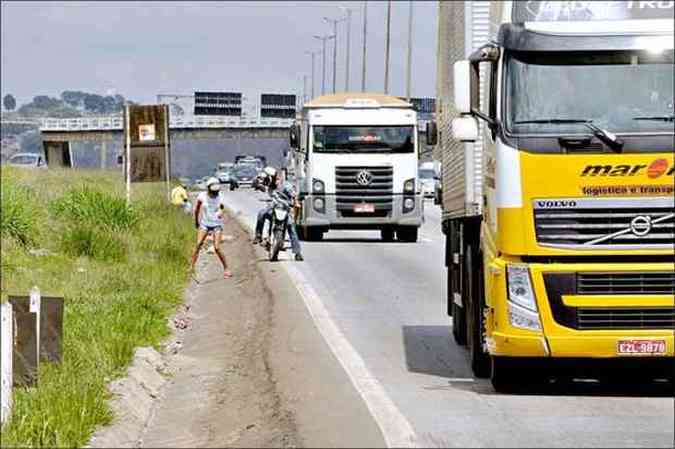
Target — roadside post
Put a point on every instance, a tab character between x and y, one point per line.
6	359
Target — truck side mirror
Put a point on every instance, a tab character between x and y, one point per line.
463	86
465	129
432	133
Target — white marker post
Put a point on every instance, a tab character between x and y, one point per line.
35	305
127	159
6	359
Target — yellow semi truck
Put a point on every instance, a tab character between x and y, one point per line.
556	142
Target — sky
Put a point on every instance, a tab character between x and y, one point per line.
142	49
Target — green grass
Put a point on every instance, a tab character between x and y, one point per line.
122	272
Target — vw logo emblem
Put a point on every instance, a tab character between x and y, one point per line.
364	177
641	225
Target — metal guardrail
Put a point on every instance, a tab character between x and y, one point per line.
115	123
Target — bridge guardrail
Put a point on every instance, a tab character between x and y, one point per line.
115	123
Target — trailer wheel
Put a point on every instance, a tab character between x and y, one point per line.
480	360
457	312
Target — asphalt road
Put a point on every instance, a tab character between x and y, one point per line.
387	299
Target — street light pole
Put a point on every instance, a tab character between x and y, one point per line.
323	40
313	54
363	61
334	22
349	32
409	68
386	51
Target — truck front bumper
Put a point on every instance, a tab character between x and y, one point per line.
331	217
575	325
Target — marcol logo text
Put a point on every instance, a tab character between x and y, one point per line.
654	170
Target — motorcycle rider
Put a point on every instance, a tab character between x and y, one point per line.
270	183
286	195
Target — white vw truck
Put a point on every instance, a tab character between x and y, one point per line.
355	160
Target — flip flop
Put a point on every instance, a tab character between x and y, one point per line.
227	274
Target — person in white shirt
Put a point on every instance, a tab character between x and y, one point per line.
209	219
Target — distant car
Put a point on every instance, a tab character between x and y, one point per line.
428	180
244	175
224	174
27	160
200	184
185	180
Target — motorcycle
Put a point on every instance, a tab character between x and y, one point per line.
277	229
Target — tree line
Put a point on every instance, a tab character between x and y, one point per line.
71	103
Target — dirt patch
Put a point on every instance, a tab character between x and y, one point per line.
221	391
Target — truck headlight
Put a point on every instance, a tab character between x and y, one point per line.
409	186
409	204
319	204
317	186
522	304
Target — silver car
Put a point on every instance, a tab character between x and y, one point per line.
27	160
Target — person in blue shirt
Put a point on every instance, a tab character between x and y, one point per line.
210	219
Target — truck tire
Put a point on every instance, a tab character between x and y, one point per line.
314	234
407	234
505	375
387	235
458	317
474	305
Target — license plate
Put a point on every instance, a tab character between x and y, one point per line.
641	347
364	208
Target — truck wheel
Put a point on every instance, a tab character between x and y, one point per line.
314	234
387	235
505	376
407	234
474	305
458	317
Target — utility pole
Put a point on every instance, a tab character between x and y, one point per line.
363	61
386	49
313	54
304	88
323	40
409	68
334	22
349	32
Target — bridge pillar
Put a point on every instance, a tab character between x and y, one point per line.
104	154
57	154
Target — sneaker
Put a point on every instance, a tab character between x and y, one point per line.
299	257
257	240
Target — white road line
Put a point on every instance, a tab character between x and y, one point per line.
395	428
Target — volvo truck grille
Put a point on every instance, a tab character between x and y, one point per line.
597	318
371	185
651	283
604	317
622	223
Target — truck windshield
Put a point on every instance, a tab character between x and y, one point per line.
364	139
626	92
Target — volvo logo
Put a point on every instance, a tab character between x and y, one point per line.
364	177
641	225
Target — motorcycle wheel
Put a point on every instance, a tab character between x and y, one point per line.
277	242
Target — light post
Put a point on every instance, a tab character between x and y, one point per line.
349	32
323	40
363	61
313	54
386	50
409	68
334	22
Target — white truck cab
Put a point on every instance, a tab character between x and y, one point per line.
355	158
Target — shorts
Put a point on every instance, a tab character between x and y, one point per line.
205	228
